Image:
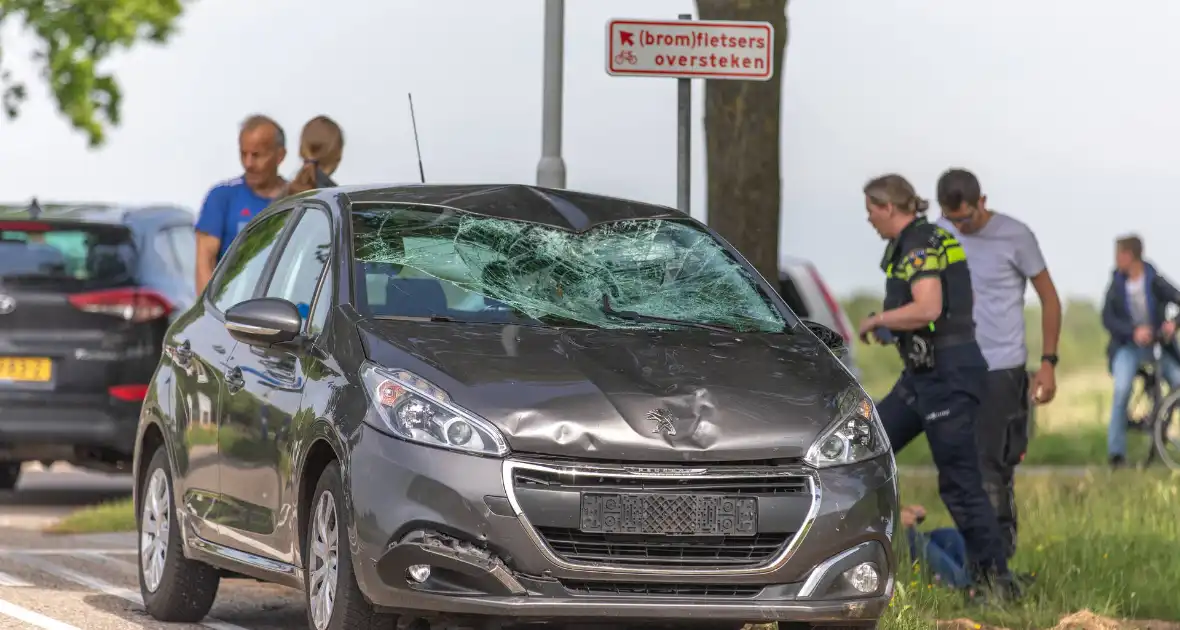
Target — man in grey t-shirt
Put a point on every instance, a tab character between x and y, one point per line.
1003	256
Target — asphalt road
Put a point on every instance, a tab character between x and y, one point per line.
89	582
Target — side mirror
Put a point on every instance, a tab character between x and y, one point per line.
829	337
264	321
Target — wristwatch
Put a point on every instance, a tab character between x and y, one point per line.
1051	359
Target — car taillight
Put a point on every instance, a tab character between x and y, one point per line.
832	304
131	304
25	226
129	393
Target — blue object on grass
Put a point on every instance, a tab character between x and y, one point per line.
943	553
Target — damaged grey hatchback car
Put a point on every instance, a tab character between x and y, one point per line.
484	406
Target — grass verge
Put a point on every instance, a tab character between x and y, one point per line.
1103	541
1070	431
1081	446
112	516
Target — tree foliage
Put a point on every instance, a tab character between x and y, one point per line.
742	139
73	38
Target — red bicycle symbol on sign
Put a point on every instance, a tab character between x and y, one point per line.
627	57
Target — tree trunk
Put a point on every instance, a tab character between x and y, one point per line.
742	141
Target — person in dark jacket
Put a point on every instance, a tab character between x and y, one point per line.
1134	314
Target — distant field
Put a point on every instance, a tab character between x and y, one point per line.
1070	431
1082	401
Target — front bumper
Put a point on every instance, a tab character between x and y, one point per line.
491	543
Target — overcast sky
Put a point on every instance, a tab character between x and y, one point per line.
1066	109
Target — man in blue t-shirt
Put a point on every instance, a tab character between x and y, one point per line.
230	205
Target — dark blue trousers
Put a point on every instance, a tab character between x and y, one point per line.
942	404
943	553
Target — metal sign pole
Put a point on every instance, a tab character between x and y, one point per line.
684	140
687	49
551	169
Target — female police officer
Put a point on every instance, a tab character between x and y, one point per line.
928	315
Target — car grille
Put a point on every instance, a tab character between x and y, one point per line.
746	485
662	551
655	551
661	589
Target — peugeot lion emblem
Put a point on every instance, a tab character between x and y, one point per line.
7	304
662	418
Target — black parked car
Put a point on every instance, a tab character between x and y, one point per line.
86	291
468	404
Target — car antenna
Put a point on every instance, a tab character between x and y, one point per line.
34	209
417	147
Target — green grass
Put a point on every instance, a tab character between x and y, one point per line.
1105	541
1084	446
113	516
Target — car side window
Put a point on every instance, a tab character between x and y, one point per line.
319	317
164	248
176	247
790	294
303	260
242	272
184	242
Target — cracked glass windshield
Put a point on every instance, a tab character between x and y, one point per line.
430	262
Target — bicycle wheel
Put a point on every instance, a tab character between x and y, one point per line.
1165	438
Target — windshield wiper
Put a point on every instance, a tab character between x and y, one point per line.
432	317
640	317
561	321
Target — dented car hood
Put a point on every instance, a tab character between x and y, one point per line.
637	395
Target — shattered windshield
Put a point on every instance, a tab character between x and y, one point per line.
428	262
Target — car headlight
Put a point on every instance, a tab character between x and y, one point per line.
856	436
413	409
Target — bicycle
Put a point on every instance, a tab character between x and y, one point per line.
1147	394
1151	399
1163	426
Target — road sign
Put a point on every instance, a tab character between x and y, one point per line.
690	49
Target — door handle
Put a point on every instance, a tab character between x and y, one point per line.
183	352
234	380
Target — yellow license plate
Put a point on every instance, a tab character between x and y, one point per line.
36	369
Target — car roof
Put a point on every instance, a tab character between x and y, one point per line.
558	208
92	212
788	260
789	265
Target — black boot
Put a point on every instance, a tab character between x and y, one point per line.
995	590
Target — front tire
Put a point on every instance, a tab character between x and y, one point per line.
334	599
174	588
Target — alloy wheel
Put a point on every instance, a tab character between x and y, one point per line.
155	524
324	560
